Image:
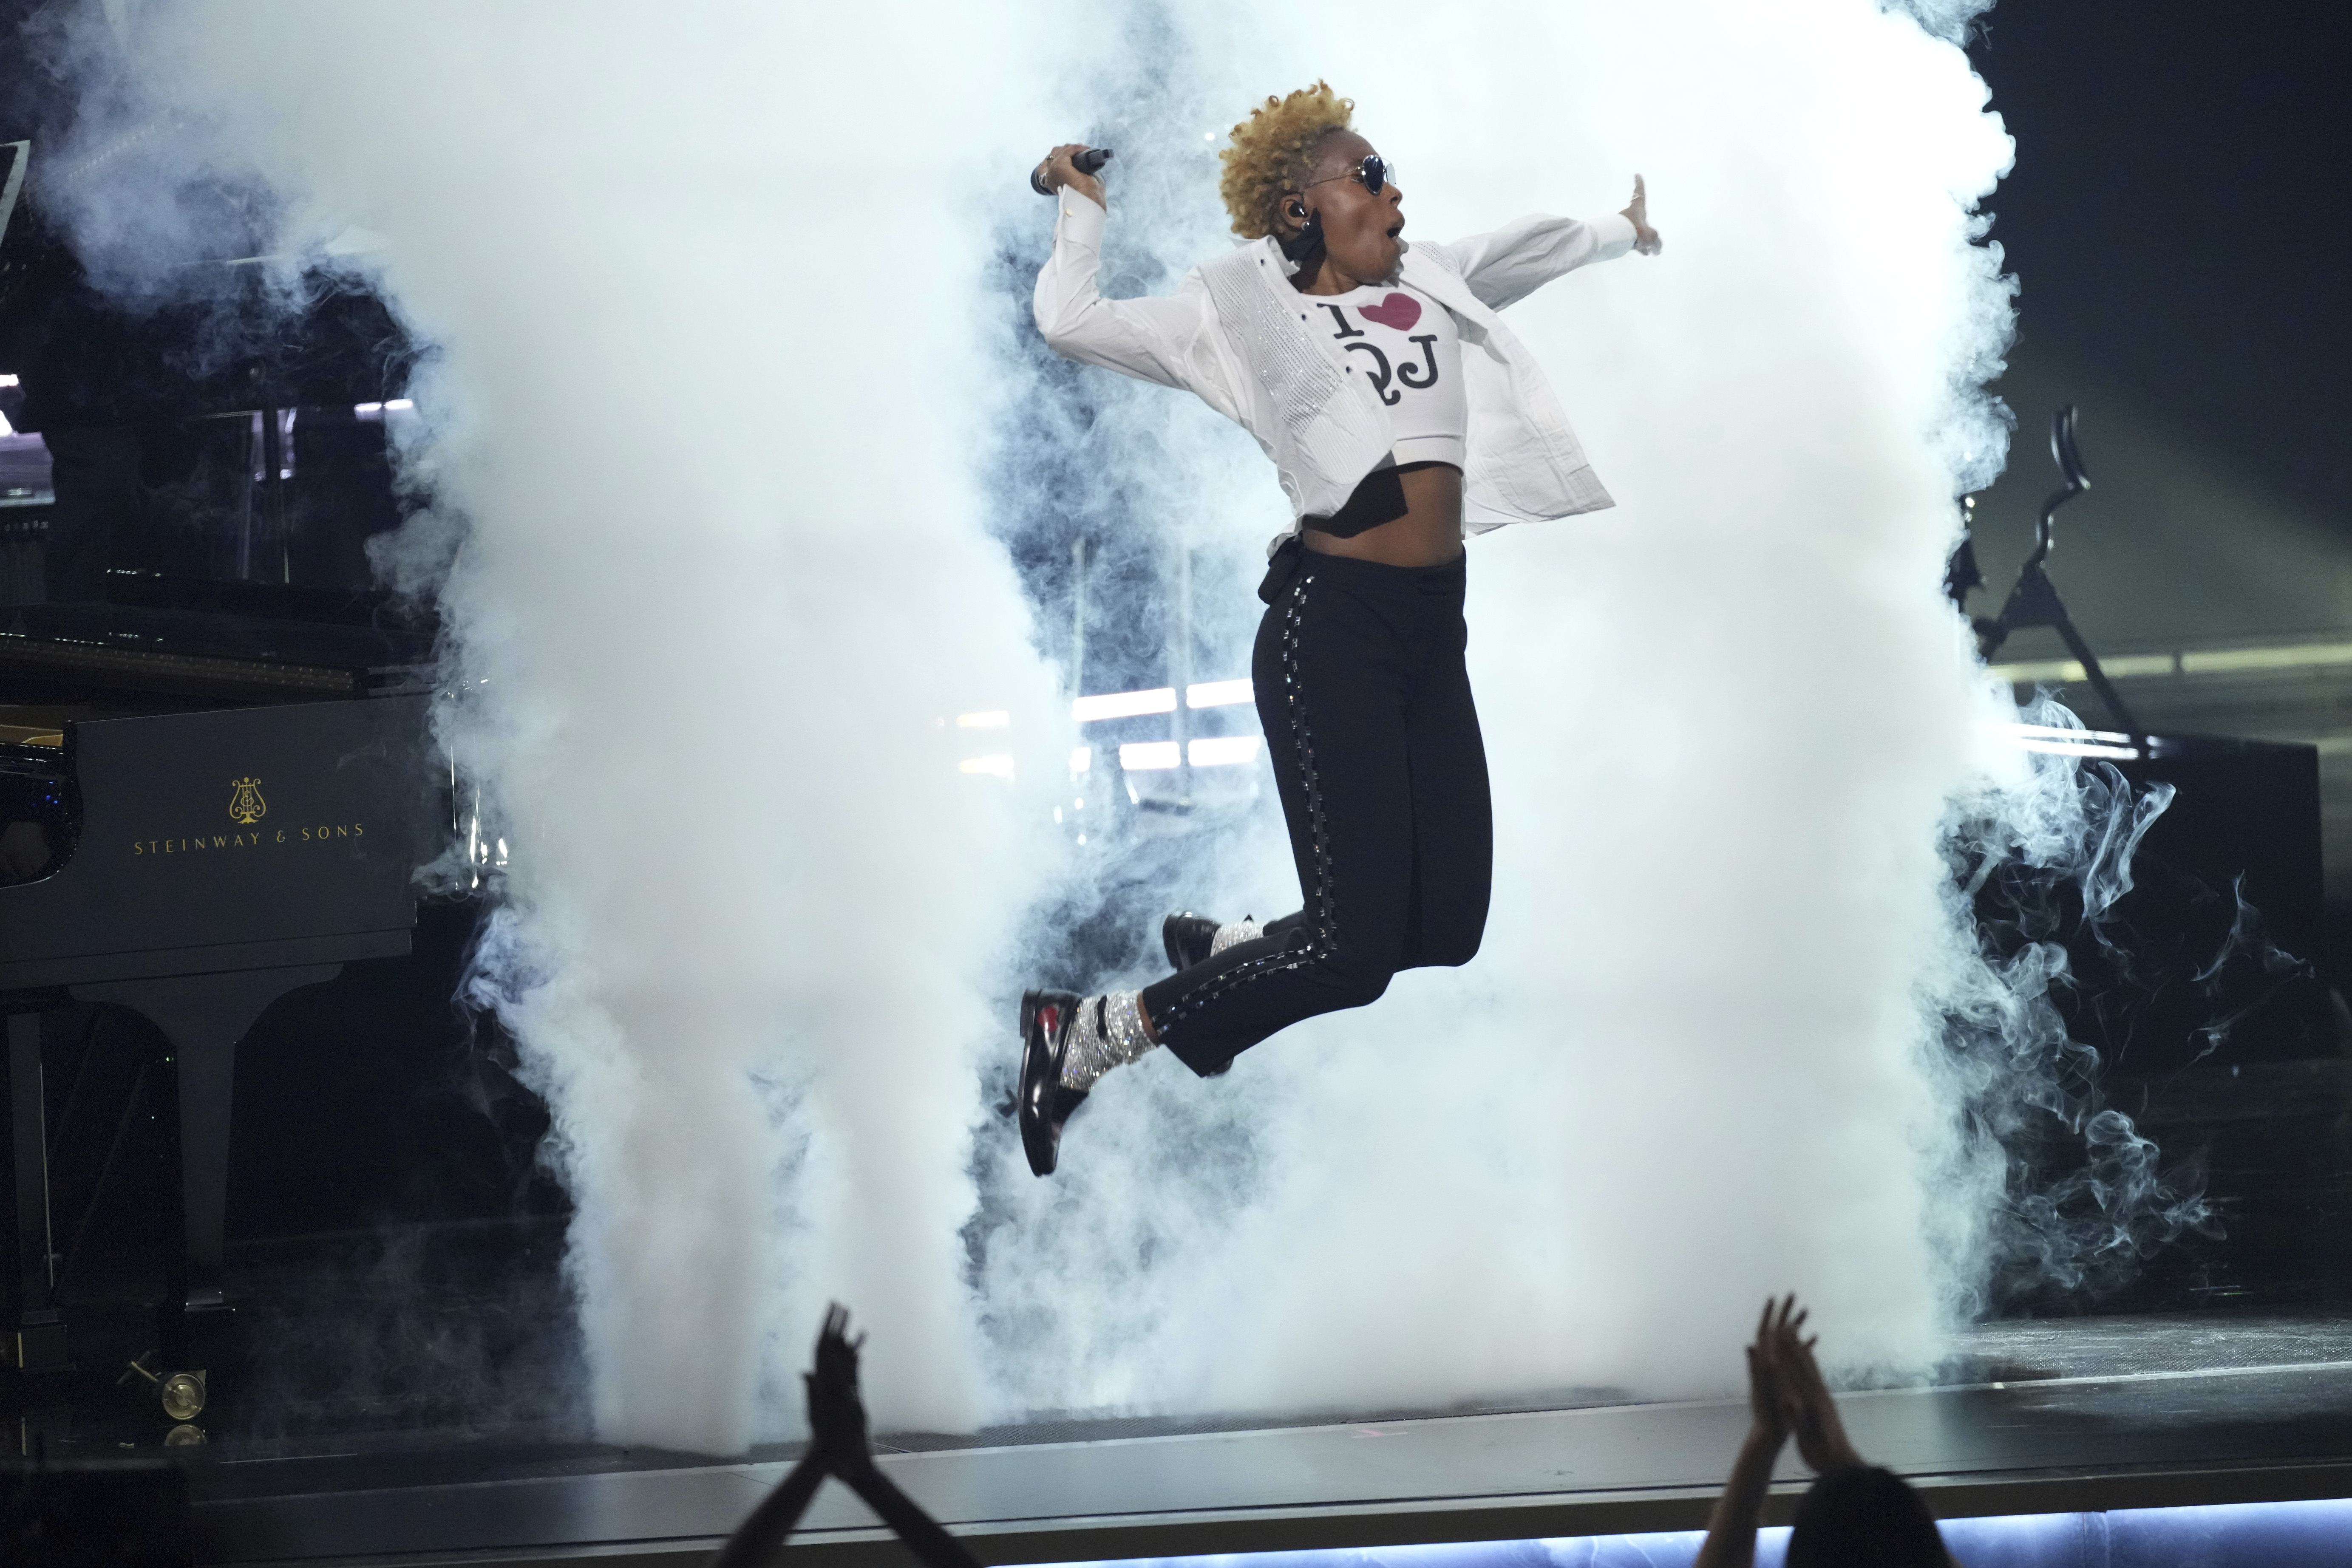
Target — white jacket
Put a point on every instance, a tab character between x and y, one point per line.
1235	334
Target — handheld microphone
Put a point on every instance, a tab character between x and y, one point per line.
1089	161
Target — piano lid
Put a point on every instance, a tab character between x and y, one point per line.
55	651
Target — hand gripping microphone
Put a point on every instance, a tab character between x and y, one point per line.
1089	161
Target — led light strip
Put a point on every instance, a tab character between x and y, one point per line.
2056	740
1160	699
2209	662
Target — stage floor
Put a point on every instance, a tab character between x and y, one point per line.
2048	1417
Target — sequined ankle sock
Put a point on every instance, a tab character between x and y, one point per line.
1242	930
1107	1033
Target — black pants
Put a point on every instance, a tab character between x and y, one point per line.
1374	741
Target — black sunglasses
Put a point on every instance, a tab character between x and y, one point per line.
1373	174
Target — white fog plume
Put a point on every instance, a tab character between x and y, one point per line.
698	408
719	359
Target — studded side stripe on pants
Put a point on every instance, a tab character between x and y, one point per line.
1374	745
1319	913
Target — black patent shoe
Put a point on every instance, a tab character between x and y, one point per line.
1189	939
1046	1017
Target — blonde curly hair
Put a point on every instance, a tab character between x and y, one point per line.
1273	153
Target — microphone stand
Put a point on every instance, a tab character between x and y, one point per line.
2035	601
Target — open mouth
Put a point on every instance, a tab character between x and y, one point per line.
1396	228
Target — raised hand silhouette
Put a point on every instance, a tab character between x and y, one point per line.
839	1445
835	1413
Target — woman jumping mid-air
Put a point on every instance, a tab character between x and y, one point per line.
1399	411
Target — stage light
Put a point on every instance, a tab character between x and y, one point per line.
2057	741
997	719
2064	672
2209	662
2054	749
1218	693
2059	732
1123	705
2231	660
998	765
1223	750
1149	756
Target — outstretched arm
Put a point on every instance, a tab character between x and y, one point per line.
1812	1412
838	1416
1731	1530
1506	265
838	1444
836	1427
761	1536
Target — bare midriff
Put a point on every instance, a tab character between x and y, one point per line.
1429	534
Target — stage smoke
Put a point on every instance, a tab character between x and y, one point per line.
695	430
730	387
2058	1192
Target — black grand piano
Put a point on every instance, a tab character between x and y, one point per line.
220	809
212	779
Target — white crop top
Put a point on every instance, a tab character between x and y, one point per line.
1407	343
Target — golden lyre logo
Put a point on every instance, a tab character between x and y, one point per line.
245	804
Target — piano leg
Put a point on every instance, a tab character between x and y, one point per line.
203	1017
36	1338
